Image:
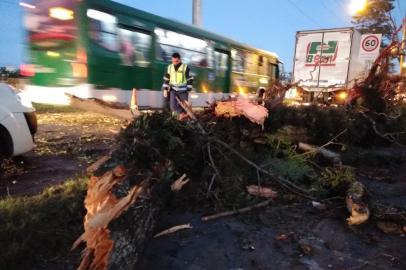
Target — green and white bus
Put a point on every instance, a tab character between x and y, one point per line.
103	49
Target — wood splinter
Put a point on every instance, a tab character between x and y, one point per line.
174	229
178	184
238	211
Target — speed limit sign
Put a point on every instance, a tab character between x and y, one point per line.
370	44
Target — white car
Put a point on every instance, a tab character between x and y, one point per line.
18	123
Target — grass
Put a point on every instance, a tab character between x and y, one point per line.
35	228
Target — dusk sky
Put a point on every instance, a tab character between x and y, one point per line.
267	24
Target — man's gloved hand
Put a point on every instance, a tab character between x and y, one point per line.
165	89
189	88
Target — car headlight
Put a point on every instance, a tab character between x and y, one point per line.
25	100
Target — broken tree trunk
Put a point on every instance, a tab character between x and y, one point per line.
122	209
117	110
131	233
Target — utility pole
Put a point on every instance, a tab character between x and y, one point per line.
197	13
403	50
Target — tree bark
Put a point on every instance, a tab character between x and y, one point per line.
133	229
131	233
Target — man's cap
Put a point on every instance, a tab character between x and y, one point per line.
176	55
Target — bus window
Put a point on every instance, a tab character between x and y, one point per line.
262	65
103	29
280	71
238	60
251	63
260	61
193	50
272	71
221	63
210	55
134	47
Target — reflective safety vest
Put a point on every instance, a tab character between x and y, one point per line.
177	78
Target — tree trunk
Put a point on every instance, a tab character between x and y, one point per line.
131	233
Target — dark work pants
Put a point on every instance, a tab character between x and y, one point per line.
173	103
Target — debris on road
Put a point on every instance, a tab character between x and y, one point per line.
389	228
319	206
284	236
306	249
356	205
173	229
238	211
178	184
259	191
319	150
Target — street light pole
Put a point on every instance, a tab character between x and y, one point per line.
403	50
197	13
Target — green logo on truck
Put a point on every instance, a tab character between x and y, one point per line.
319	54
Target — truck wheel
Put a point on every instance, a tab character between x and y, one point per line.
6	143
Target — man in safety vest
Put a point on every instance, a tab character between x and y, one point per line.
177	83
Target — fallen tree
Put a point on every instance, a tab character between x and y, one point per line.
221	157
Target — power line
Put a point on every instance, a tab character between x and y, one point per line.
332	12
304	13
339	3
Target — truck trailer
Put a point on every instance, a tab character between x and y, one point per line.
328	62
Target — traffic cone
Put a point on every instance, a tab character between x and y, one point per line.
134	101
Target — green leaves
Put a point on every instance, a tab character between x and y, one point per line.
333	180
376	18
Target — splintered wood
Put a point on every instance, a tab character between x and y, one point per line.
173	229
263	192
242	107
102	207
178	184
238	211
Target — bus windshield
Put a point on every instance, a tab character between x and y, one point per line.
52	39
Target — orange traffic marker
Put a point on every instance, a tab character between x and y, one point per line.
134	101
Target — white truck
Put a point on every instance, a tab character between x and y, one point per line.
327	62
